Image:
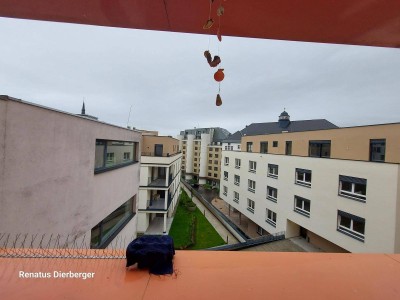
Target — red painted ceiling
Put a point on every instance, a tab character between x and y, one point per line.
357	22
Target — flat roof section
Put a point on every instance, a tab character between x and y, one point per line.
211	275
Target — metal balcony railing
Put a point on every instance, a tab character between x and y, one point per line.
164	154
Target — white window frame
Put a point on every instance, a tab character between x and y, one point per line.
351	194
252	166
225	190
127	157
275	169
237	163
251	186
260	230
349	230
235	197
301	209
226	161
112	157
237	180
251	205
226	174
303	180
270	216
271	197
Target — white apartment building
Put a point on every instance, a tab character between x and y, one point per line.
66	175
201	150
338	188
160	174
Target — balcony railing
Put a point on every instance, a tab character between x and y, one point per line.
159	181
164	154
159	204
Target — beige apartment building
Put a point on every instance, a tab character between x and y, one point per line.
201	154
339	188
66	175
160	173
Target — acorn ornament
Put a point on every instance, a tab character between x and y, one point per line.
219	75
218	101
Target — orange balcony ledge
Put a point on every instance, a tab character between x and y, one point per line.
211	275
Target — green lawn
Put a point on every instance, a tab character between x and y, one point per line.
205	235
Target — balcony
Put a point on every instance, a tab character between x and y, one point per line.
158	204
159	182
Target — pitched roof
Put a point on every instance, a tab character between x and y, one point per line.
234	138
294	126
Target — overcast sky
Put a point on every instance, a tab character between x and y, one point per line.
167	81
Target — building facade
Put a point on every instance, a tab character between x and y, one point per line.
66	176
201	150
160	174
338	188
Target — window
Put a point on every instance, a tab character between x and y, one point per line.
195	159
272	171
196	148
250	205
210	155
215	175
288	148
275	144
251	186
263	147
249	146
303	177
195	165
210	168
272	194
351	225
127	156
271	218
215	168
377	150
111	158
353	187
302	206
216	162
319	149
260	230
216	155
252	166
210	161
236	197
209	174
225	190
226	161
104	232
195	154
237	179
237	163
113	154
225	175
226	147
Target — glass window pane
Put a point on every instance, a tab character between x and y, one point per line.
360	189
346	186
325	150
344	221
359	226
99	154
314	150
307	206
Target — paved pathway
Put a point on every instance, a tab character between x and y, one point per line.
238	219
222	231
